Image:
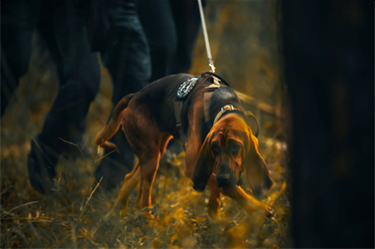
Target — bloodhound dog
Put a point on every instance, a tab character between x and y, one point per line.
217	151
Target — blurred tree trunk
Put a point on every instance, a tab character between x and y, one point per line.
328	52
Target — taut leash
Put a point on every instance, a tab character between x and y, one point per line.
210	60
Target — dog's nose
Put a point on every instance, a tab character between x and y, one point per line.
223	180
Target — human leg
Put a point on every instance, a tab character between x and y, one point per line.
81	76
18	22
159	26
127	59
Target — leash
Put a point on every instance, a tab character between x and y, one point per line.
189	84
210	60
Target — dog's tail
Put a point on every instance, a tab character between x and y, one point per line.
113	125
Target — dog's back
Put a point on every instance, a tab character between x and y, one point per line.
158	98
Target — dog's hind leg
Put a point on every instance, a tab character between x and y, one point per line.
164	140
131	181
148	171
138	199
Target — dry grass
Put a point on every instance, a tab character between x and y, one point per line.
74	216
71	218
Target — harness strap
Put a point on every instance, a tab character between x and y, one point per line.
208	91
177	113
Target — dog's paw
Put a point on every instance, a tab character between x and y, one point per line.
269	212
123	212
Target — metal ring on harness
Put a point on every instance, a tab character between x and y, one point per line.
250	114
217	76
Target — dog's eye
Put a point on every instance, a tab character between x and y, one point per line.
234	148
216	149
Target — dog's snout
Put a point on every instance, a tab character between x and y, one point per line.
223	180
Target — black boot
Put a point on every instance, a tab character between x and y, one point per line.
41	167
115	166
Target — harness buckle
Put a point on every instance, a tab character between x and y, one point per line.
224	108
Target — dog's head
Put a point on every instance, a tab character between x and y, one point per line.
230	148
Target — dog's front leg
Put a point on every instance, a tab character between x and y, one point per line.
249	203
214	199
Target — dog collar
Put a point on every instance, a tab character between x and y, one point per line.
186	87
227	108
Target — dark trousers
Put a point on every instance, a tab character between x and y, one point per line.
171	27
128	61
18	23
127	56
160	29
63	26
80	75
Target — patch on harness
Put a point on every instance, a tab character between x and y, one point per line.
185	88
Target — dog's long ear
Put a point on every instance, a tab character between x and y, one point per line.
203	166
256	168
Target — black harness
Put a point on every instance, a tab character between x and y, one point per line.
187	86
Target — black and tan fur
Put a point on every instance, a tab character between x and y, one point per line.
148	121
